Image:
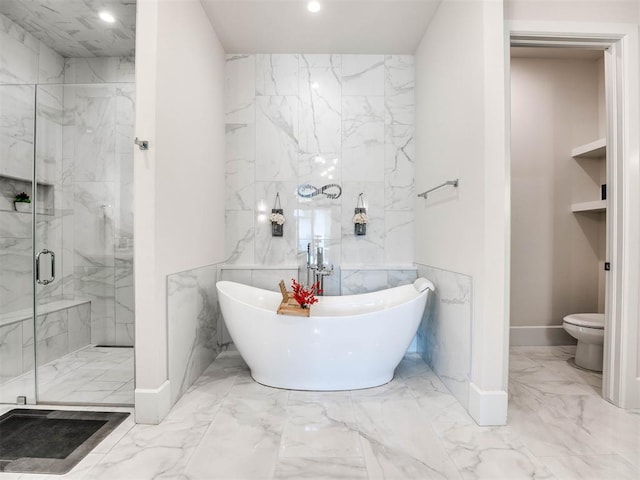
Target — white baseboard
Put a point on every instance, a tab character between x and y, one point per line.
543	336
487	407
152	404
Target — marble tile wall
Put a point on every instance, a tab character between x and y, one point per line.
98	161
194	320
294	119
444	336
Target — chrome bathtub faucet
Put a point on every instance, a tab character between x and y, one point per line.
316	272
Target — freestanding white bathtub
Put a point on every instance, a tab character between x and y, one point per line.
347	343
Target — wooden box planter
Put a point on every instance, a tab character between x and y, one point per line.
289	306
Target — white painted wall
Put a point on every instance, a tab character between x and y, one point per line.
460	121
555	253
179	181
572	10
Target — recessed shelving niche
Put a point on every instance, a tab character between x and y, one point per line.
10	186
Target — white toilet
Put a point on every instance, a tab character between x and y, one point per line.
588	329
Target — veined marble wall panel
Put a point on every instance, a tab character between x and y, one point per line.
10	352
295	119
276	74
95	121
355	281
321	104
363	138
17	104
240	166
240	89
444	336
98	161
98	285
99	70
50	65
193	314
94	224
124	304
19	55
271	250
16	261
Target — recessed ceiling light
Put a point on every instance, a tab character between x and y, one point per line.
314	6
107	17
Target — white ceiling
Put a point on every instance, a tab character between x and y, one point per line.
342	26
72	27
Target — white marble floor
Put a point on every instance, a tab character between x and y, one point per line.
228	427
89	375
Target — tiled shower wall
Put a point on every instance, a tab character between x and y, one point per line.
99	111
85	171
319	120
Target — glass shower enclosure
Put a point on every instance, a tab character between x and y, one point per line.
66	254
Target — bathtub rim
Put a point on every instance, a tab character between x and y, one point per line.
428	284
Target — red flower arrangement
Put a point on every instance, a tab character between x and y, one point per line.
304	296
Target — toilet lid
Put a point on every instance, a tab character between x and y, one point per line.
589	320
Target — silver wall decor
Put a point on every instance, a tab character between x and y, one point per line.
360	218
309	191
277	218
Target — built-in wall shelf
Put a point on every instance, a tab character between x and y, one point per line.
12	185
597	149
594	206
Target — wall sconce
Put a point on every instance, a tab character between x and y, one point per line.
360	217
277	218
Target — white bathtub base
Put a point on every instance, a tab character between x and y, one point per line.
348	343
322	386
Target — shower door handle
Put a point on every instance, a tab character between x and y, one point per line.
44	251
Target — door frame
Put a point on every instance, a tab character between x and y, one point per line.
621	385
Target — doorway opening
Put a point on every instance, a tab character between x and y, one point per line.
620	360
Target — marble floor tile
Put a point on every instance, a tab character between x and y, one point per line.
243	440
591	467
326	468
151	452
320	428
490	452
89	375
399	441
229	427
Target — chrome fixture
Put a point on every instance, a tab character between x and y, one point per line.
53	266
143	144
453	183
317	272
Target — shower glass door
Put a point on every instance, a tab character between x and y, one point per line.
17	142
83	243
66	262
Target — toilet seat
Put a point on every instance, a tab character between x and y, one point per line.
586	320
